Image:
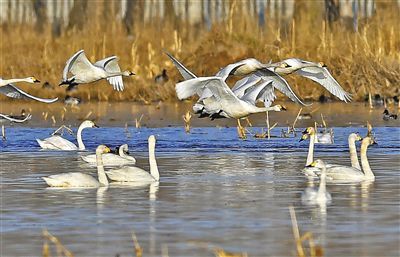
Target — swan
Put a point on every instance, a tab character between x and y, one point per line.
56	142
78	179
324	137
311	196
8	89
16	118
351	174
135	174
312	171
247	66
317	72
84	71
111	159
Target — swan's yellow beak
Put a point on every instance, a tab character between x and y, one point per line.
303	137
107	149
311	164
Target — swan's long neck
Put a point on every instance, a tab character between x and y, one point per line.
310	155
322	184
368	174
153	162
81	146
353	153
100	170
9	81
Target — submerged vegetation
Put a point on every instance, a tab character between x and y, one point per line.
363	61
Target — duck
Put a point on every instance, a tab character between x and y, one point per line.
57	142
387	116
161	78
79	179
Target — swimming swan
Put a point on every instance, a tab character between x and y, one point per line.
58	143
84	71
111	159
311	196
310	132
8	89
351	174
135	174
78	179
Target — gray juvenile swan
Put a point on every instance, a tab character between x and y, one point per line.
111	159
311	196
84	71
8	89
56	142
78	179
135	174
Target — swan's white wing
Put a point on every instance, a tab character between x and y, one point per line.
129	174
185	72
219	88
12	119
279	83
110	64
229	69
71	179
12	91
322	76
240	87
253	94
78	64
61	143
268	96
190	87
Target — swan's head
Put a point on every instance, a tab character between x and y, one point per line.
279	108
124	148
32	80
101	149
88	124
355	137
309	131
128	73
152	140
369	140
317	164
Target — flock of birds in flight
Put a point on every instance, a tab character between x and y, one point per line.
216	99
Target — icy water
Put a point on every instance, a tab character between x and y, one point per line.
215	191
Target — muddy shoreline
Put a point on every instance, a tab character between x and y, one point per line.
118	114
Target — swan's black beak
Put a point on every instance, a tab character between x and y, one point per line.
305	132
284	108
131	73
63	83
36	81
95	126
127	152
309	166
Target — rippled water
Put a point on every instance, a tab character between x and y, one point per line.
215	191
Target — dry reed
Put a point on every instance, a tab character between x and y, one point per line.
364	62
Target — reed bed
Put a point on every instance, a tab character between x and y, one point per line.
367	61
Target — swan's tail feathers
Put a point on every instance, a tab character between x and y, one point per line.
186	89
41	143
52	182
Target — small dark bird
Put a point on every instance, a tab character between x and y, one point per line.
70	100
388	116
47	85
161	78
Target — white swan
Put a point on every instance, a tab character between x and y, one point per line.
324	137
84	71
111	159
312	171
311	196
8	89
78	179
135	174
58	143
351	174
314	71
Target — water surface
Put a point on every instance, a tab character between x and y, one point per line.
215	191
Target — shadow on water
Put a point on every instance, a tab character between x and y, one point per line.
214	189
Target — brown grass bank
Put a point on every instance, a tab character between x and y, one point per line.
364	61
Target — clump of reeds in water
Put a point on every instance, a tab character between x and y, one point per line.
366	61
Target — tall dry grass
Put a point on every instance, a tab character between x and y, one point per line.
367	61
